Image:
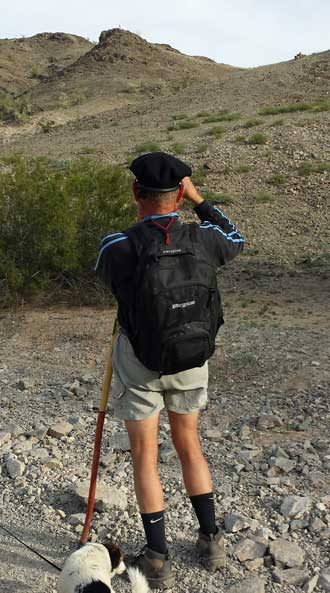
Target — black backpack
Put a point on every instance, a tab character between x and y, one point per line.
176	310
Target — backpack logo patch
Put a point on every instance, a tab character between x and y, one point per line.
183	305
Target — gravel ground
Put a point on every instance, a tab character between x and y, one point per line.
265	434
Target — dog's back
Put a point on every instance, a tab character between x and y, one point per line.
86	571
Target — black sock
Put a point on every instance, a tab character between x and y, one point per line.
154	527
204	508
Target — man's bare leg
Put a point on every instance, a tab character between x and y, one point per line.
143	436
195	470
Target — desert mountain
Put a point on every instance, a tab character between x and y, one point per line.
122	62
257	139
24	61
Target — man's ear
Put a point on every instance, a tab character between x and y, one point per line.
180	193
135	190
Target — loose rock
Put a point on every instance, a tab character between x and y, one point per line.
286	554
324	579
248	585
291	576
60	429
106	497
247	549
295	507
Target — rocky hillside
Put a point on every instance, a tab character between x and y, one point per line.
27	60
123	62
257	139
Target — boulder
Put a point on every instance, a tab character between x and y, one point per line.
248	585
60	429
248	549
324	579
295	507
286	554
291	576
106	497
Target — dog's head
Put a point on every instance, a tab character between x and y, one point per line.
116	557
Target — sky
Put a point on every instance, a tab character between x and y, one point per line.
238	32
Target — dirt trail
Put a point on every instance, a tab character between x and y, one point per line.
272	356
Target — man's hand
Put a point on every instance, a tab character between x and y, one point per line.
190	193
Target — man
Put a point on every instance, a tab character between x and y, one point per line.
141	390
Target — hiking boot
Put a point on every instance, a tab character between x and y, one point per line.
156	568
211	550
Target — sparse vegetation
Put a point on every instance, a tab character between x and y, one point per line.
179	116
308	168
46	125
145	147
13	111
251	123
222	117
243	169
296	108
217	131
87	150
240	138
278	179
198	176
203	114
36	72
201	148
52	219
257	138
264	197
216	197
178	148
277	123
182	125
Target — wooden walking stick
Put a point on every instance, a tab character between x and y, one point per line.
98	437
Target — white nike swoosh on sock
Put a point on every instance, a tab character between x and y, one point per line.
156	520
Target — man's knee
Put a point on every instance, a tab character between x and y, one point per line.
188	448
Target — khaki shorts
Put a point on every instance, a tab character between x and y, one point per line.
138	393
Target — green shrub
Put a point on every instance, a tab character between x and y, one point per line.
276	123
87	150
183	125
216	197
240	138
145	147
297	107
46	125
201	148
257	138
13	111
278	179
251	123
36	72
198	176
178	148
263	197
203	114
221	117
52	217
243	169
179	116
308	168
217	132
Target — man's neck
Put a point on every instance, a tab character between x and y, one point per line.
145	211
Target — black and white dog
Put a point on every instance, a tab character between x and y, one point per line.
91	568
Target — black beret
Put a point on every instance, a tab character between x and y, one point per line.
158	171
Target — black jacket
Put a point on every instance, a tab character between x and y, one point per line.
117	259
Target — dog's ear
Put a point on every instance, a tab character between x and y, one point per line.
115	553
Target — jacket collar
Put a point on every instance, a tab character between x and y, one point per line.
154	216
